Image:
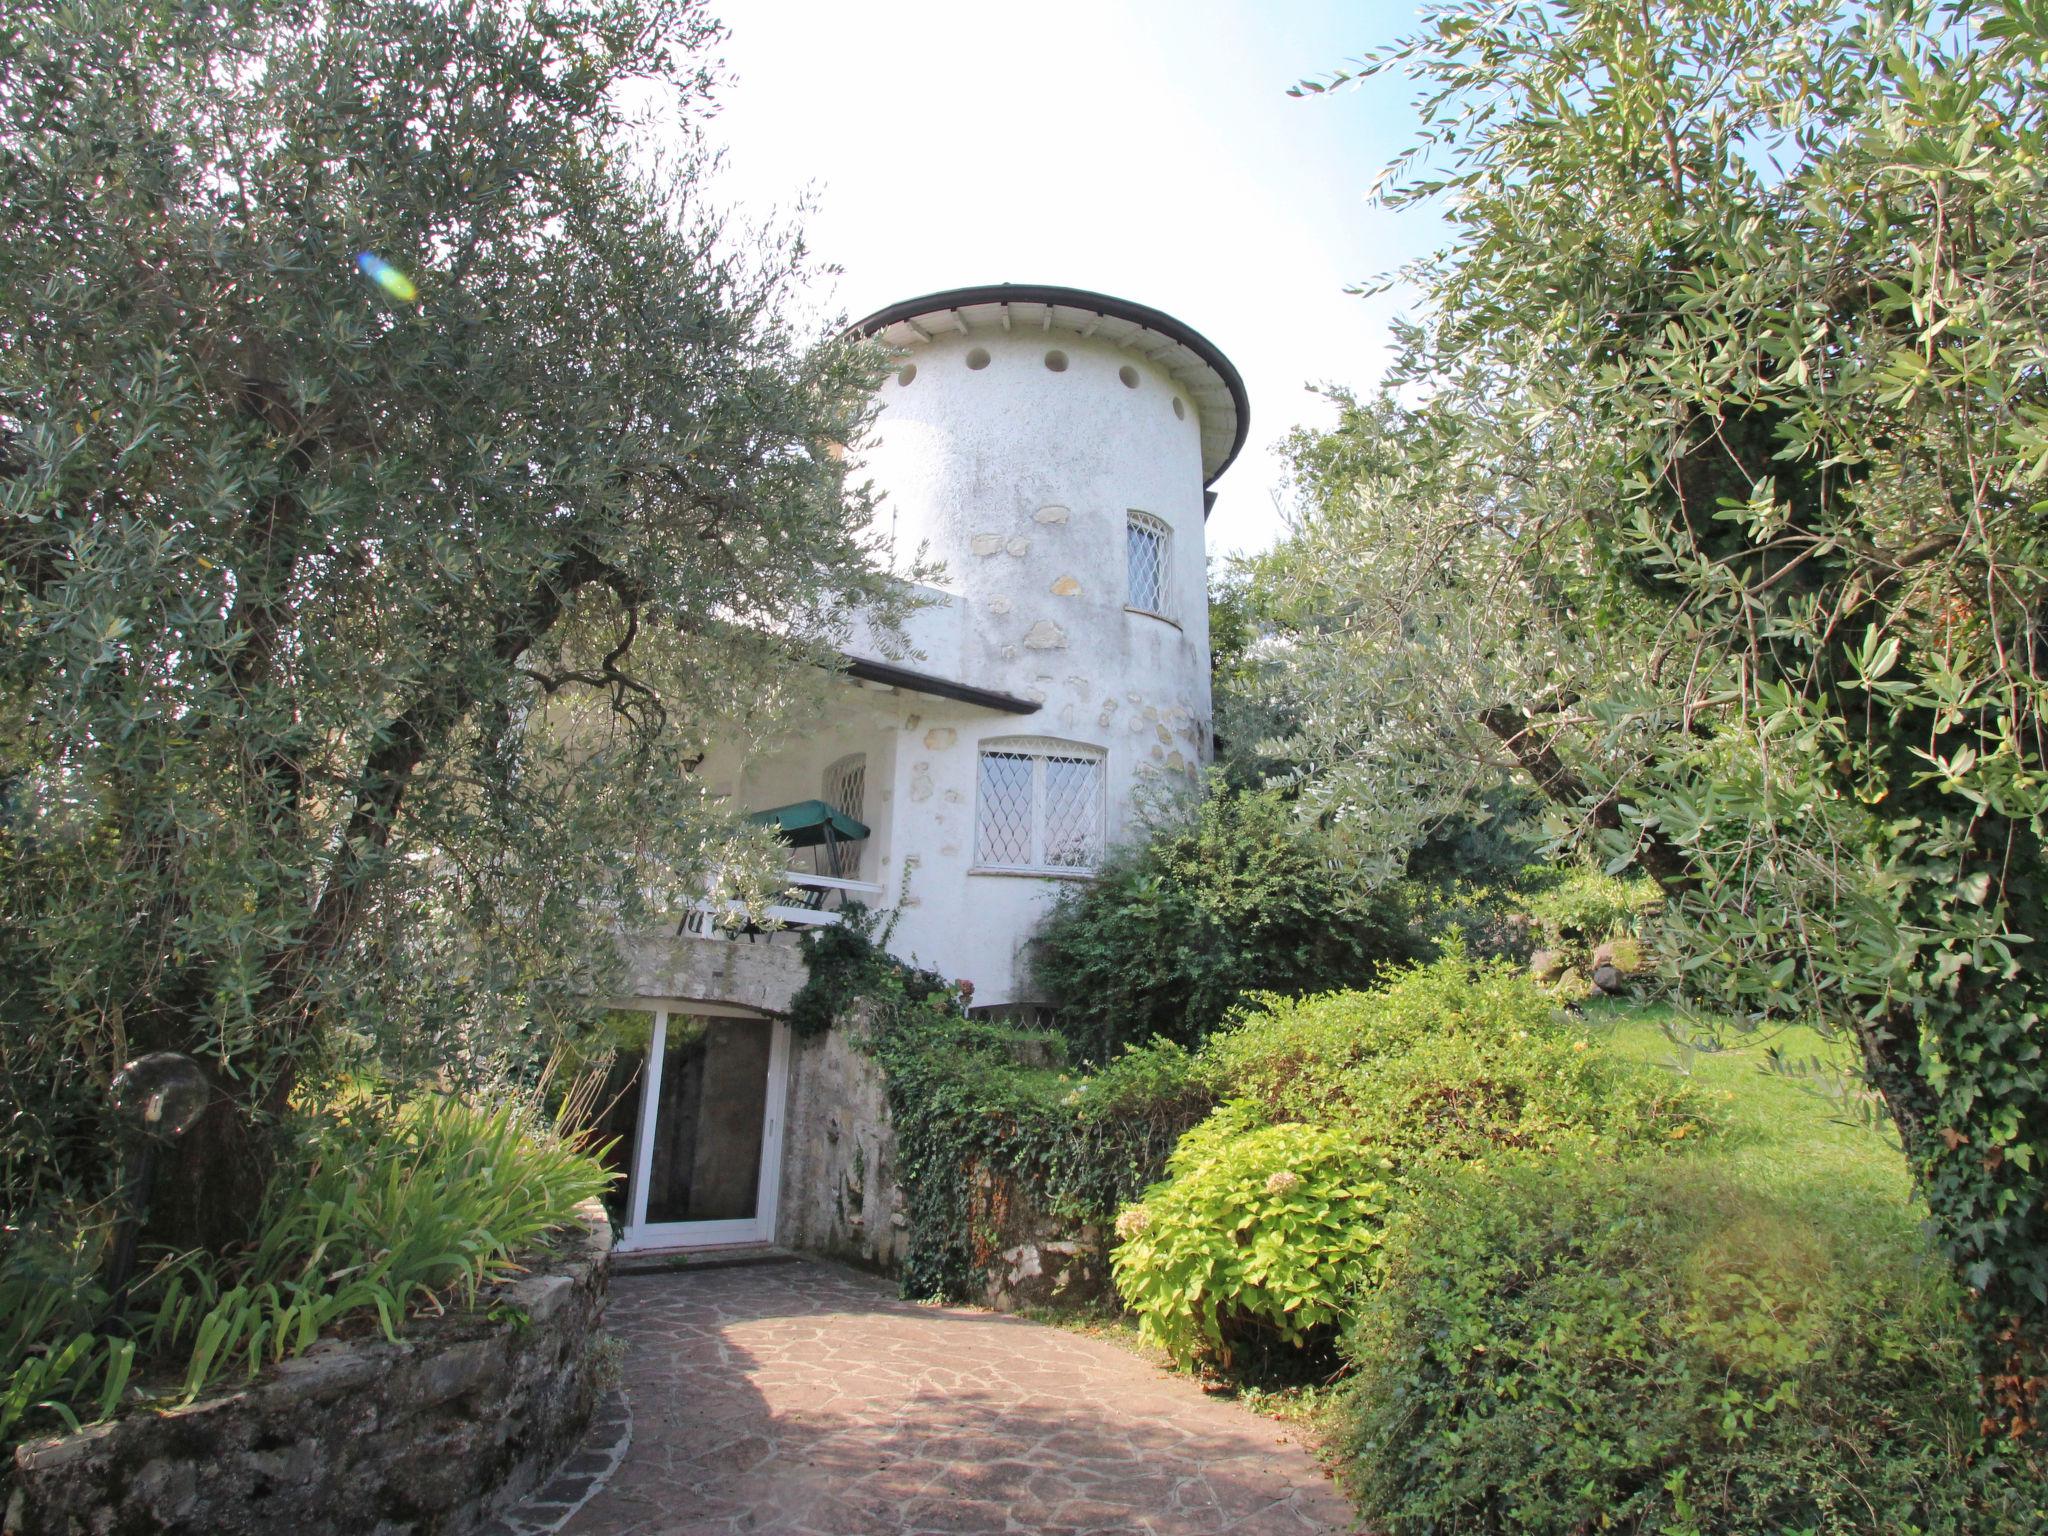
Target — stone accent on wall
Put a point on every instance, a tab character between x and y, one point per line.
428	1436
840	1196
1048	1264
839	1190
763	977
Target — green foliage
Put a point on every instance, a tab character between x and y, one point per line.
983	1111
977	1128
1707	502
1575	908
378	1211
357	639
384	1212
1452	1060
1256	1241
848	961
55	1367
1447	1063
1226	896
1659	1348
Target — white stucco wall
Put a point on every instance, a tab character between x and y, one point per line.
1021	480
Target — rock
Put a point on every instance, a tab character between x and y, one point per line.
1546	965
1607	979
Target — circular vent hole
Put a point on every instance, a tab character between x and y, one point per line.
1180	412
977	359
1056	360
1129	375
909	371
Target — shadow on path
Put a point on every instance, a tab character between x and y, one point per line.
806	1399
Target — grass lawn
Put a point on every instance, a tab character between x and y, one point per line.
1798	1130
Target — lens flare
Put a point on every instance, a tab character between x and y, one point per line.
387	277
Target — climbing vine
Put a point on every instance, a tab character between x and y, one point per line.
983	1110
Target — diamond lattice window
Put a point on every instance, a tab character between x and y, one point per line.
1040	807
846	791
1005	820
1146	543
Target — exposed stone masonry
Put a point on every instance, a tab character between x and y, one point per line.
361	1437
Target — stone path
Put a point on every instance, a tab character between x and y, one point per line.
806	1399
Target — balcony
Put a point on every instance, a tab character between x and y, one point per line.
813	902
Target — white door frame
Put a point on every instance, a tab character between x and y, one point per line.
641	1234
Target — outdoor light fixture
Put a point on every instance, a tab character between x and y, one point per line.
158	1096
157	1099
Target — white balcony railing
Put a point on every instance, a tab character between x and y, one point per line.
814	904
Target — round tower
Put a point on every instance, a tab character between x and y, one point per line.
1053	447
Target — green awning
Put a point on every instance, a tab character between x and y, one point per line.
809	823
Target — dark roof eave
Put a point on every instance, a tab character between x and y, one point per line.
909	681
1099	303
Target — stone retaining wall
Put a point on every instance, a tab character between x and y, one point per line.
429	1436
839	1191
841	1198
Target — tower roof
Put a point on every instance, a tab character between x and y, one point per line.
1184	354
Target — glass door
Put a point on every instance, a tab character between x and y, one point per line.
707	1149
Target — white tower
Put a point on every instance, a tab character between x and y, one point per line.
1054	448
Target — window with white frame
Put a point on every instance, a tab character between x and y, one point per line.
1039	806
1146	542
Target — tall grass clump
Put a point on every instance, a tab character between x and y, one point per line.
380	1211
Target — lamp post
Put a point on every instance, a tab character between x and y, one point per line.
157	1099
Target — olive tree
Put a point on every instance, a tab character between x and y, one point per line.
1708	499
404	472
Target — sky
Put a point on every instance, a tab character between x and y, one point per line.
1142	148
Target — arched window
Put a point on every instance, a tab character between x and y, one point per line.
846	791
1039	806
1147	542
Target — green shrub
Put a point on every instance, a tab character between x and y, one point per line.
962	1106
1445	1063
1656	1348
978	1105
1451	1060
848	962
1310	1059
1256	1239
1575	908
383	1212
377	1212
1232	895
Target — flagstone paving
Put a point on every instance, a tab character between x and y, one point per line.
807	1399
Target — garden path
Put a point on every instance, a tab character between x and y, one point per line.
807	1399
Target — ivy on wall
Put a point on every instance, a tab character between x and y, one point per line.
982	1108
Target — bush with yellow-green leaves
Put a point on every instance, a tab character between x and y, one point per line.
1268	1221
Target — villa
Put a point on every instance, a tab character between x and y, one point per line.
1055	449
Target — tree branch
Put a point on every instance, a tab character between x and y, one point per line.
1661	859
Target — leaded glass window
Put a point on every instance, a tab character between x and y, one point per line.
846	791
1146	544
1040	806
